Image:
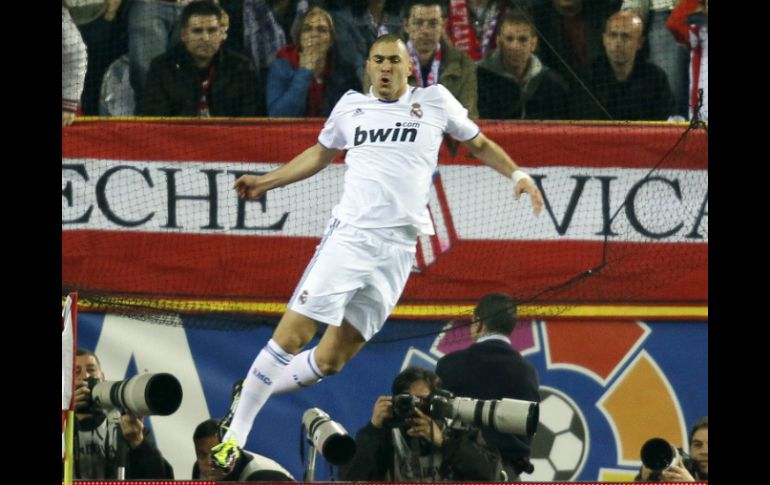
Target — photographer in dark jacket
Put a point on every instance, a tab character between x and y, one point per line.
249	467
403	443
198	78
492	369
97	433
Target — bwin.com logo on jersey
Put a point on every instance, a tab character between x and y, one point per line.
403	132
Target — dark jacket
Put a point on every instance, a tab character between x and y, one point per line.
542	94
493	370
645	95
143	462
558	53
174	86
460	457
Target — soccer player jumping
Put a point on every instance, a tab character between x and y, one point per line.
360	267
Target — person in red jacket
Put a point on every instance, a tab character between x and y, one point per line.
689	24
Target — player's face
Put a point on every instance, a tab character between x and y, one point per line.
202	36
517	42
699	450
389	67
622	39
424	26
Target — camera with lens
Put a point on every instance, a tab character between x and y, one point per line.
328	437
143	394
511	416
658	454
404	407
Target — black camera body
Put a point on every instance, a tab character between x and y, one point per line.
404	408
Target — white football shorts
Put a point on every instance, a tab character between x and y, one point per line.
356	274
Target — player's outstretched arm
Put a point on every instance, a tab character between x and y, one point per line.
493	155
304	165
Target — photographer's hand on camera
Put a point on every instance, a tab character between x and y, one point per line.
82	395
132	427
424	427
676	473
383	409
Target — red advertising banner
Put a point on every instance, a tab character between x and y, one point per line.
148	211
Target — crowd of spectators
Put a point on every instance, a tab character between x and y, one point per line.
502	59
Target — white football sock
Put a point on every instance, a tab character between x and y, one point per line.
301	372
266	370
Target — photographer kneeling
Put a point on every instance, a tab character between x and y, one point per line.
97	432
403	443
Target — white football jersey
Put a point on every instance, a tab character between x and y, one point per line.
392	153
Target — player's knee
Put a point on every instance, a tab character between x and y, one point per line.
291	343
329	366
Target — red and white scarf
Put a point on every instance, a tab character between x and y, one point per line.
417	70
463	34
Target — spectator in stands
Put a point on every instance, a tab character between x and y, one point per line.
492	369
199	78
661	48
153	28
571	31
435	60
74	60
102	23
624	86
249	467
473	25
689	24
359	24
306	79
267	26
416	448
513	83
96	434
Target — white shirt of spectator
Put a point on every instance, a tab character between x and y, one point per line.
392	153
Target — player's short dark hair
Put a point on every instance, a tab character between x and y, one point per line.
200	7
210	427
386	38
84	351
518	16
497	311
404	380
408	4
699	424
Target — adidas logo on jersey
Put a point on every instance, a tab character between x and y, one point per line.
403	132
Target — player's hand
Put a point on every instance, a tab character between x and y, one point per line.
424	427
249	187
526	185
132	427
383	409
67	118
